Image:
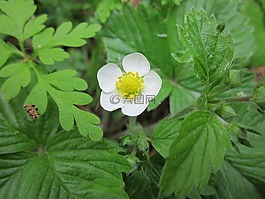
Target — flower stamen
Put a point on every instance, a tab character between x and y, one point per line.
130	85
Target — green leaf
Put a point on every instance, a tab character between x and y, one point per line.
162	95
62	86
231	184
211	47
138	32
17	133
5	53
48	56
34	26
176	2
182	56
225	11
19	76
197	149
255	13
105	7
66	99
75	168
47	42
66	80
61	164
181	98
164	134
259	96
17	13
143	183
38	97
251	161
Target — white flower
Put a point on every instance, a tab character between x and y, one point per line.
131	90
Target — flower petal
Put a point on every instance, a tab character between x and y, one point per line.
111	101
152	83
136	62
108	76
131	108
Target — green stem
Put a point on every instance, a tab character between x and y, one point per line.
38	74
132	122
22	47
34	55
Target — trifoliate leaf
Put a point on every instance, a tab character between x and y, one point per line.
164	134
197	150
211	47
47	42
18	76
17	13
61	164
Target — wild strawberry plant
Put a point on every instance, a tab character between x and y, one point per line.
186	62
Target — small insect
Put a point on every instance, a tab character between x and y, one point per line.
32	111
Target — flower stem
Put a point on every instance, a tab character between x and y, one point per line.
132	121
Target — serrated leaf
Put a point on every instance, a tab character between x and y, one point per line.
17	133
61	164
19	76
143	183
225	11
231	184
164	134
181	98
182	56
47	42
138	32
75	167
251	161
199	147
17	13
211	47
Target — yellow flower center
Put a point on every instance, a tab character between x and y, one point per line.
130	85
